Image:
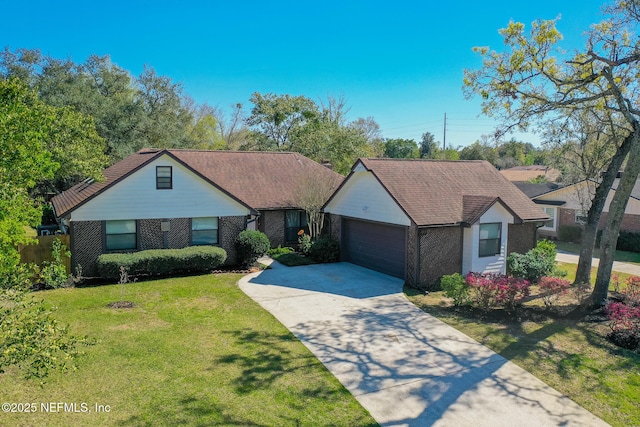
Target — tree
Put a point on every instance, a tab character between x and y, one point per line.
532	82
313	194
232	128
398	148
168	115
428	146
29	337
480	151
278	119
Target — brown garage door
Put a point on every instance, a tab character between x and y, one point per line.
380	247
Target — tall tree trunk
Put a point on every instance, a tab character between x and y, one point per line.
583	273
614	220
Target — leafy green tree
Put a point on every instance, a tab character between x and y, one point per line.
532	81
428	146
278	119
397	148
479	151
29	337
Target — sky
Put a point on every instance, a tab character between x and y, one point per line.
400	62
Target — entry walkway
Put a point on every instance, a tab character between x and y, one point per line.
404	366
621	267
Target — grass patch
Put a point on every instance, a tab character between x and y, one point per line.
571	269
193	351
622	256
292	259
566	352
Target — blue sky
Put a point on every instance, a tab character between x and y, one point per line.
400	62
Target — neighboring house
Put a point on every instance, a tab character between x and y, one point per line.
176	198
422	219
569	205
531	173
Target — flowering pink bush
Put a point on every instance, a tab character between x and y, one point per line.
632	291
623	316
552	289
491	290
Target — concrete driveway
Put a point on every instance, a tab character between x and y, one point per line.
404	366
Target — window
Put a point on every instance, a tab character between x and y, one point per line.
204	231
121	235
551	224
294	222
164	178
490	241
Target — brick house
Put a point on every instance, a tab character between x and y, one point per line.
569	205
422	219
169	198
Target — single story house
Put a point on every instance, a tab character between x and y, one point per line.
570	204
166	198
422	219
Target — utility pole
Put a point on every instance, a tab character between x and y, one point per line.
444	138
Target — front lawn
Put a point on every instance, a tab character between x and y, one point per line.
193	351
566	351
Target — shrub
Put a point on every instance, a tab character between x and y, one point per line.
274	252
570	233
628	241
325	250
625	338
490	290
552	289
304	242
632	291
539	261
456	288
162	262
251	245
54	273
622	316
292	259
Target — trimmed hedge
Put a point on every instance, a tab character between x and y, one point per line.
627	241
162	262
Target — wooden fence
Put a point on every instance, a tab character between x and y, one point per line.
40	252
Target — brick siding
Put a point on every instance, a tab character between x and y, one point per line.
440	254
522	237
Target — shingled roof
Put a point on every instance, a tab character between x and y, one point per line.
260	180
433	192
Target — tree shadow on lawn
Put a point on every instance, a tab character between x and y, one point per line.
191	411
265	359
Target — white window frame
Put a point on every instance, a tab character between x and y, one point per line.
553	213
499	239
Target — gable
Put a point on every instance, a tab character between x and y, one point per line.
136	197
431	192
362	196
576	196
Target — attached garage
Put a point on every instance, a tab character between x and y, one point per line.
380	247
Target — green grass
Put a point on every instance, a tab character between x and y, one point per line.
570	270
622	256
194	351
565	352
